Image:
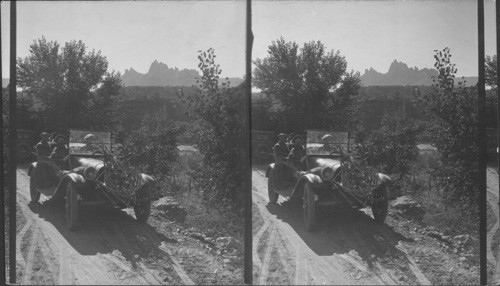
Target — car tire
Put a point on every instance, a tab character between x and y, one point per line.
273	196
142	210
309	207
72	207
34	194
380	209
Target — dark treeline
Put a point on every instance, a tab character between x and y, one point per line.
373	102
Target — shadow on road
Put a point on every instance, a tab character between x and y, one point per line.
344	231
104	231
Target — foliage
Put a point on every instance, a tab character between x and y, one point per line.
491	71
391	149
219	111
101	112
454	112
300	82
68	84
152	149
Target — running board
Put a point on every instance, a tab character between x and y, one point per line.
330	203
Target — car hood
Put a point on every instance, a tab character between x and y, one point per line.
322	162
77	162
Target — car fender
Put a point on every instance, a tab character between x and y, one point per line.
70	178
144	179
31	168
269	169
310	178
382	178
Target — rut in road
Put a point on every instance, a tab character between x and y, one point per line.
110	247
348	248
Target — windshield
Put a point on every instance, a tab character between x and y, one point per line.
326	142
83	142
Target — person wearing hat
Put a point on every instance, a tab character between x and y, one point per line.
90	147
328	147
297	152
43	148
280	148
61	150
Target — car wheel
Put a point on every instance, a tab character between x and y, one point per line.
72	206
34	194
380	209
142	210
309	207
273	196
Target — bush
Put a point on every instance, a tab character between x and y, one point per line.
453	108
153	148
219	112
391	149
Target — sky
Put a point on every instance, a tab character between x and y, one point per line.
368	33
375	33
132	34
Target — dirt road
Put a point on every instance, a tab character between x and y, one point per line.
492	198
348	248
109	247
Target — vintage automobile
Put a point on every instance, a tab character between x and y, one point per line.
91	175
262	143
321	179
25	143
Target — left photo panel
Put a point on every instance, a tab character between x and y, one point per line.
131	132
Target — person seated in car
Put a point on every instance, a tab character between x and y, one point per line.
43	149
281	149
297	153
90	147
60	152
328	147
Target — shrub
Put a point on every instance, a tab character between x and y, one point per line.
219	112
453	108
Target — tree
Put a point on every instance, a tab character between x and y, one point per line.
453	109
64	80
219	113
491	71
312	87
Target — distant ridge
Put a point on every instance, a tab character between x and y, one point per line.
159	74
400	74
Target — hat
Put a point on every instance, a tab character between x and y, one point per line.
58	136
326	137
89	138
297	137
282	135
44	134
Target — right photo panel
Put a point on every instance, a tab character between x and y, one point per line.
364	125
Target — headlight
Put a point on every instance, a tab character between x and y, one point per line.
327	173
89	173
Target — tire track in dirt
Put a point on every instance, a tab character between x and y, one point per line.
322	271
256	240
322	258
31	254
19	238
116	232
267	256
492	186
